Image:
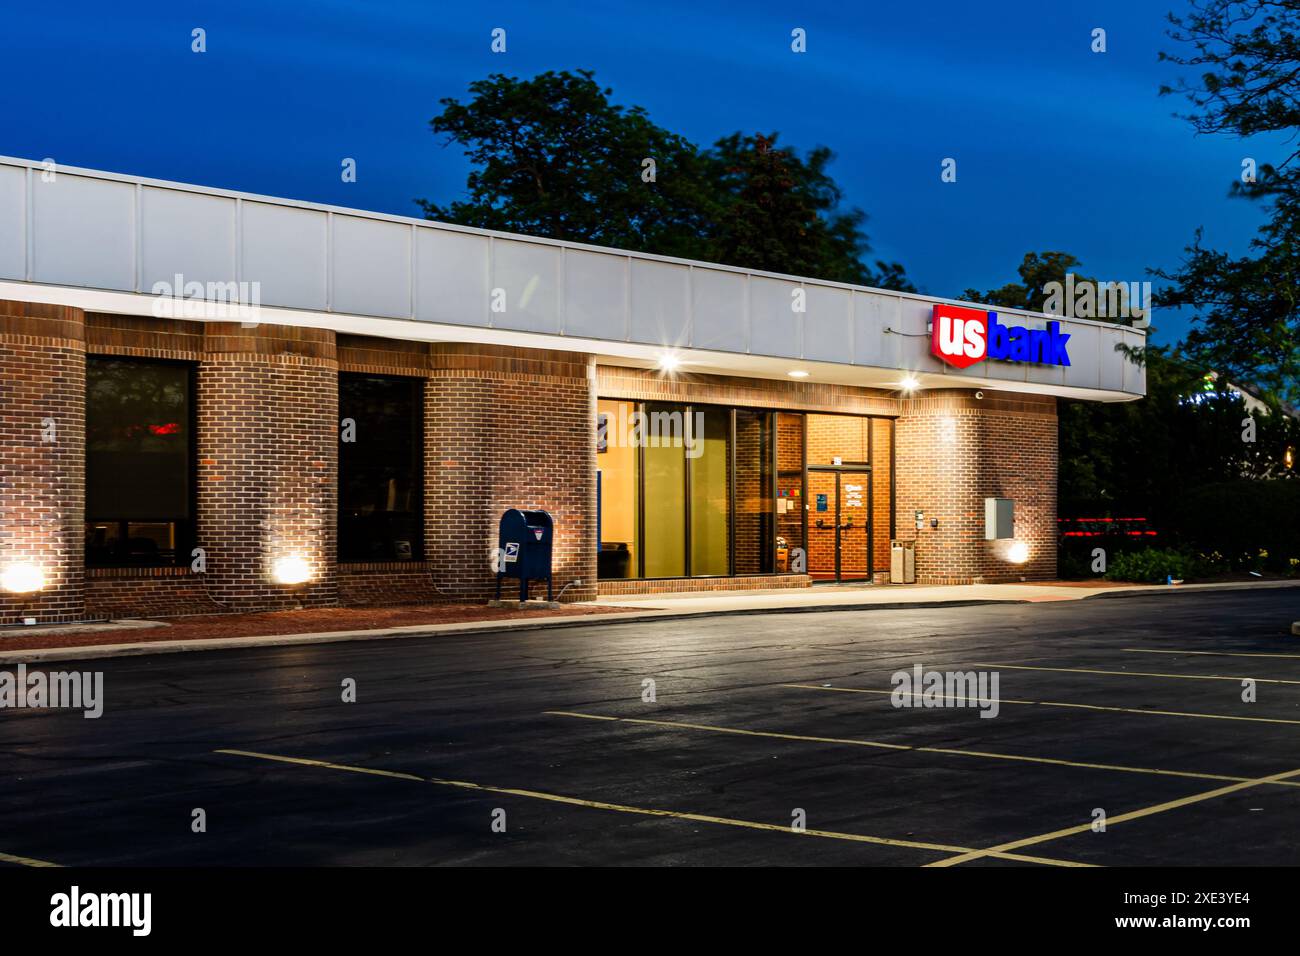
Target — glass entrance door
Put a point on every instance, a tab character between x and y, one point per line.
839	524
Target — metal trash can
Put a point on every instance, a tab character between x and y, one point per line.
524	540
902	562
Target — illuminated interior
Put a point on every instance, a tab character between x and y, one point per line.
714	491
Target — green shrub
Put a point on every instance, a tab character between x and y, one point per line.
1157	564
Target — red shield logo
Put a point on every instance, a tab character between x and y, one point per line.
959	336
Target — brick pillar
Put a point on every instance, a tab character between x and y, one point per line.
508	428
268	463
43	458
954	450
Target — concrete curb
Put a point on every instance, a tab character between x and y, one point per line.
101	651
1148	589
143	648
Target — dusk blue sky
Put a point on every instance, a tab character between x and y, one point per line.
1057	147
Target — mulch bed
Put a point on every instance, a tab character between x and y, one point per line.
208	626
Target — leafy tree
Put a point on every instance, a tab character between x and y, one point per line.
780	213
554	157
1141	458
1246	58
1039	271
1036	270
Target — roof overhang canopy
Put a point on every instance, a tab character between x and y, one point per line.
112	243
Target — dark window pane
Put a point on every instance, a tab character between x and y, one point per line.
139	461
381	488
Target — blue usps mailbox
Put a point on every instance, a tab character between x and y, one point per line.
524	549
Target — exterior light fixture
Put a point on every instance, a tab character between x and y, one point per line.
1288	457
669	362
1018	553
22	579
910	383
797	373
291	570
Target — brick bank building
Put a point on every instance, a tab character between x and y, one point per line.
351	432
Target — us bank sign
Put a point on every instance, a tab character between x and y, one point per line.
961	337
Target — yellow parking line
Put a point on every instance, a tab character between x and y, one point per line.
646	811
1057	703
1082	670
1121	818
916	749
25	860
1152	650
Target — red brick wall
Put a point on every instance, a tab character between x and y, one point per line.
147	592
753	494
504	427
42	483
954	451
509	428
651	386
763	582
267	462
387	583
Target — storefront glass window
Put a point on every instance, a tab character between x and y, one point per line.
619	476
838	436
709	454
139	462
708	490
665	490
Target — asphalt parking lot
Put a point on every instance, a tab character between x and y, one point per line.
770	739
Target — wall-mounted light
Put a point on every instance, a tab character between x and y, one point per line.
291	570
22	579
669	362
1018	552
797	373
909	383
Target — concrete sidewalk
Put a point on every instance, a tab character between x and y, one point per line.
891	595
846	596
644	608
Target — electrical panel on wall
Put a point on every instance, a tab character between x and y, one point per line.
999	518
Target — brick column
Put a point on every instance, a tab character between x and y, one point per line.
268	463
508	428
954	450
43	458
